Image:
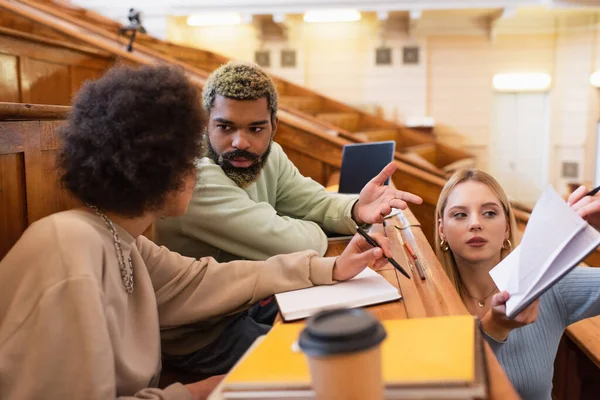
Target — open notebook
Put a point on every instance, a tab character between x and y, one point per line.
556	239
364	289
422	358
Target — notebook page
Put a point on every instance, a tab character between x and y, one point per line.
502	273
582	244
366	288
551	226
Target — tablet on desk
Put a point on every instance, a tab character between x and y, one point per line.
361	162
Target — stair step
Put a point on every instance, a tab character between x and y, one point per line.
347	121
377	135
308	104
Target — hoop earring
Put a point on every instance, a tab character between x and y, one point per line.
444	245
507	244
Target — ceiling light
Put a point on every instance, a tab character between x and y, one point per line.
595	79
340	15
214	19
522	82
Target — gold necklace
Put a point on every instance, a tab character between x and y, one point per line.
480	302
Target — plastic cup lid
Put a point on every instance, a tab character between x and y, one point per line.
340	331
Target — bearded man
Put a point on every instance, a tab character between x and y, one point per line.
251	202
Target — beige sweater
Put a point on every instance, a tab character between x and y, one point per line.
68	329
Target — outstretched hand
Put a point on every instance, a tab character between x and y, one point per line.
588	207
376	200
495	322
358	254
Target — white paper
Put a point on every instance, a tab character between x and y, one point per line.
551	226
364	289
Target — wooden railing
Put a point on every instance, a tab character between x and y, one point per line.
46	71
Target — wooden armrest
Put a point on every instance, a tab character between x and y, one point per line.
586	334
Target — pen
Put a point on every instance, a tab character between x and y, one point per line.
373	243
593	191
410	250
414	256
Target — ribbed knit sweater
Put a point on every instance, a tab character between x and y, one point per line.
528	353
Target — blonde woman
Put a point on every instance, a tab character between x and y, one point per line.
475	230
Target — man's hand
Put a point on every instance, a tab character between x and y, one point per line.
359	254
588	207
376	200
497	325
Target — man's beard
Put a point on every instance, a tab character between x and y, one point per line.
241	176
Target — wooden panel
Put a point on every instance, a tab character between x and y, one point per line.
45	196
9	78
81	74
49	138
45	82
13	213
11	138
575	375
308	166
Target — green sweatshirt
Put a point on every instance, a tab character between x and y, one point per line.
282	212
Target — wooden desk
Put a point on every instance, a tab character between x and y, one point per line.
434	296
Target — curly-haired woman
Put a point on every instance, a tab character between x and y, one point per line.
83	295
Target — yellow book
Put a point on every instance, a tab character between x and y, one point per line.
416	352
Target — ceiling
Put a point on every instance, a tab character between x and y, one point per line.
155	12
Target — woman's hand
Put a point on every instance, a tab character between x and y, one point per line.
497	325
588	207
200	390
358	254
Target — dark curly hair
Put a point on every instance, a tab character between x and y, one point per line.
131	138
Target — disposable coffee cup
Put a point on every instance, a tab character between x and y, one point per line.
344	354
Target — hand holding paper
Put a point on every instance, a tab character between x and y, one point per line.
555	241
497	325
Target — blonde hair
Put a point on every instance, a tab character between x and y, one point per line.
240	80
446	258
